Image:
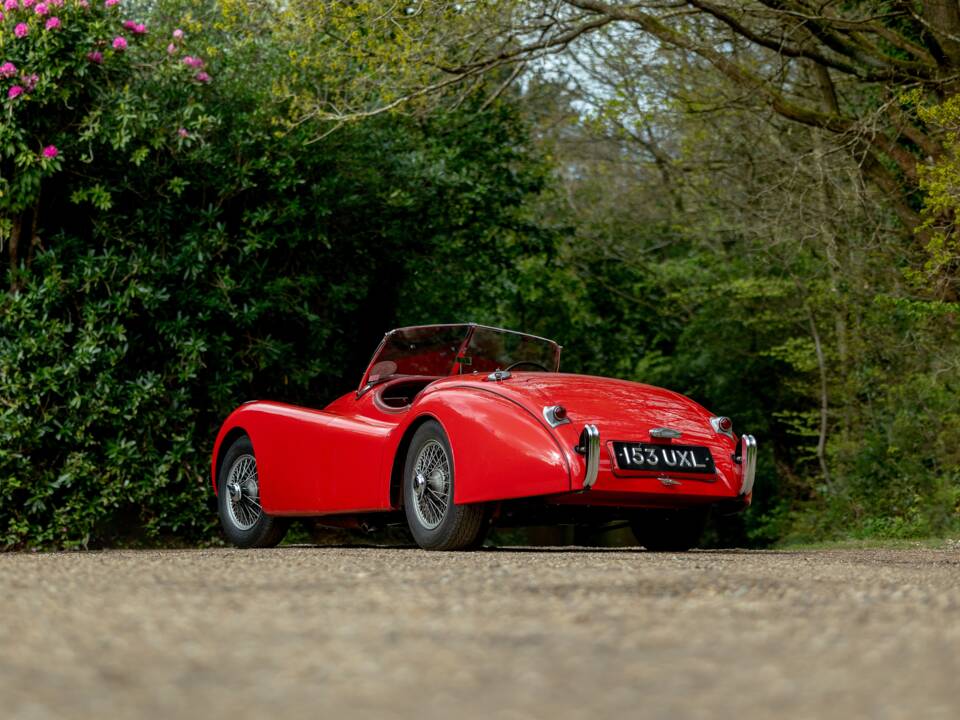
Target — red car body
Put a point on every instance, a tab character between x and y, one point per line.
347	459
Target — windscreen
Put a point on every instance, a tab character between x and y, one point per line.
419	351
491	349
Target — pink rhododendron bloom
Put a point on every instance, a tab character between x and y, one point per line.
14	91
119	43
202	77
140	29
95	57
177	34
11	5
50	151
53	23
21	30
171	49
129	24
27	3
8	69
182	132
41	9
110	3
193	62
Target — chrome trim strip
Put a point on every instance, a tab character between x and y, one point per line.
665	432
549	414
748	459
591	442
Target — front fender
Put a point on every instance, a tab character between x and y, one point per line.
500	449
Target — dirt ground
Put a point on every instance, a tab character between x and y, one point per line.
303	632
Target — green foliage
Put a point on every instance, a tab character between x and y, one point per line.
198	241
940	182
177	273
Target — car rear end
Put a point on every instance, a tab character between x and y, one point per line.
635	445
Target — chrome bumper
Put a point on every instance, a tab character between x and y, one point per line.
589	447
748	461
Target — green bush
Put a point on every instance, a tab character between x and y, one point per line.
193	250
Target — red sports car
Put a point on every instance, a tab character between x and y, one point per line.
462	427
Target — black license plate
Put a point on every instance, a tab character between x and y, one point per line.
668	458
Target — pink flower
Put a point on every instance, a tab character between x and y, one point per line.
8	70
177	34
27	3
14	91
129	24
1	17
40	9
95	57
11	5
119	42
171	49
202	77
110	3
50	151
182	132
83	3
53	23
193	62
21	30
139	29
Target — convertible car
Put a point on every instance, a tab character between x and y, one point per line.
457	428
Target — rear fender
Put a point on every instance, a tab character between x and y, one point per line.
500	449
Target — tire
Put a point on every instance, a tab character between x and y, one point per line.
669	530
435	521
243	521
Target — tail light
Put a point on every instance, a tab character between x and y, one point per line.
722	425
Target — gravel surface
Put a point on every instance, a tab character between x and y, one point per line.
303	632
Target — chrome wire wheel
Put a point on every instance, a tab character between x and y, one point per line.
431	484
243	501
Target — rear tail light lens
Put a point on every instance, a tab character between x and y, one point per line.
722	425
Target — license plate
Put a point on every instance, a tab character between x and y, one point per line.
673	458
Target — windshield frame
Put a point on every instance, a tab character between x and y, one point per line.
456	368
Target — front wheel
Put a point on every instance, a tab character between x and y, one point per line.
669	530
244	522
436	522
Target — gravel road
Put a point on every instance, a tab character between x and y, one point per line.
302	632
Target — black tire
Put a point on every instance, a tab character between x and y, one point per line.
669	530
455	527
265	530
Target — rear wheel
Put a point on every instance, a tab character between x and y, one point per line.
436	522
669	530
238	500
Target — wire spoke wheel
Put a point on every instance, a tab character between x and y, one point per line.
431	484
243	503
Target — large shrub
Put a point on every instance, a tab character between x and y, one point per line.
191	248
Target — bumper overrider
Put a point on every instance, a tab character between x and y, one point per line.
748	461
589	447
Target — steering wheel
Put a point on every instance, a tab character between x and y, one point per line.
527	362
